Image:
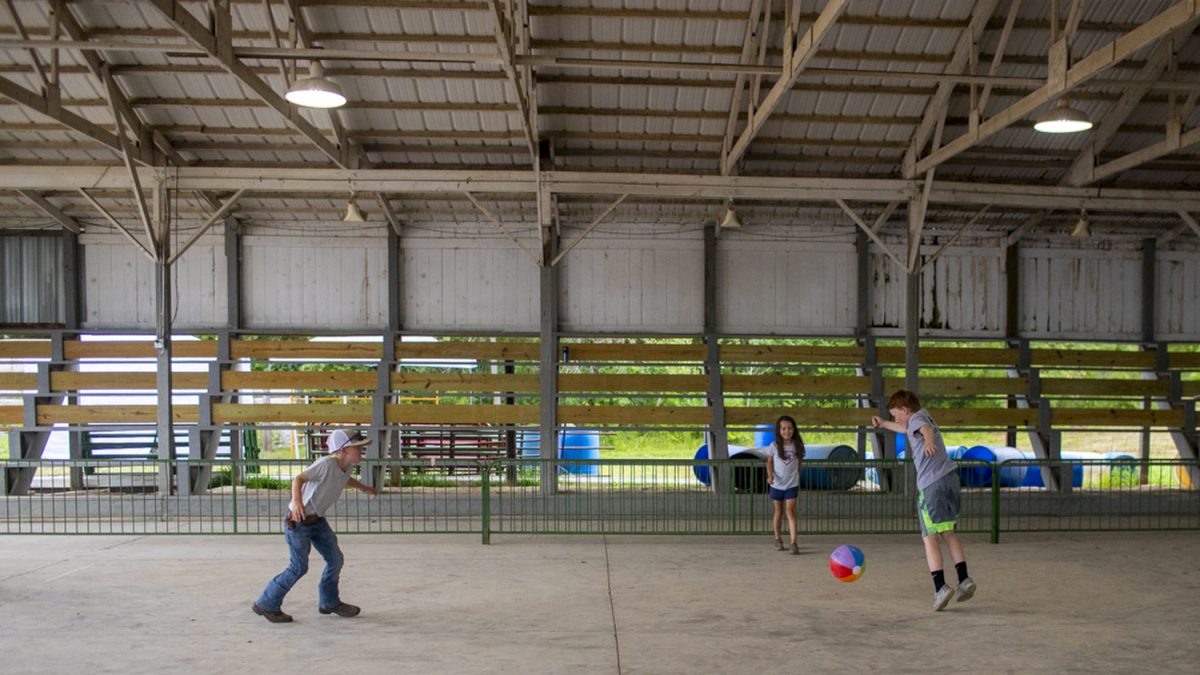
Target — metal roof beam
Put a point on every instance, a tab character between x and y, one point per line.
1063	79
220	48
798	51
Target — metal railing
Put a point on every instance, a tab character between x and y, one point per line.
591	496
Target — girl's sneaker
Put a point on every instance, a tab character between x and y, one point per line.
778	544
795	550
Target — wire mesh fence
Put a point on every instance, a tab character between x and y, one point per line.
589	496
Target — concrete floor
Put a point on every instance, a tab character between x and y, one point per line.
1116	602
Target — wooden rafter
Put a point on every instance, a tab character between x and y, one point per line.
1083	169
799	50
51	210
935	111
219	47
1063	79
526	93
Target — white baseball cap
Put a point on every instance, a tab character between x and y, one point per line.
340	439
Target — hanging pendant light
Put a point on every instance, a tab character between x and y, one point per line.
316	91
353	214
1062	119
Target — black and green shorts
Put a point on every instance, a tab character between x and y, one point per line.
937	505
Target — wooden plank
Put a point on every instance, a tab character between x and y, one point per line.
805	417
634	383
790	354
494	351
475	415
17	381
797	384
1191	388
24	349
954	386
471	382
1108	417
78	349
1094	358
337	413
12	415
1085	387
635	352
340	381
1185	360
952	356
111	414
633	415
304	349
985	417
74	381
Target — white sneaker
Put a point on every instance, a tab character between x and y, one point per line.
966	589
942	598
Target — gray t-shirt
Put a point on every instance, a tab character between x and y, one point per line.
929	469
325	483
787	472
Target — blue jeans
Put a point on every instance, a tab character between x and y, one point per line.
300	540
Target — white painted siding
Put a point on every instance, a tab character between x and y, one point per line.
119	285
1083	294
634	285
314	283
887	281
468	284
1178	290
786	287
963	293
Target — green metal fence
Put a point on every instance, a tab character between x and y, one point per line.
592	496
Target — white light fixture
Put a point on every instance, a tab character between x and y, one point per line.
730	221
1062	119
353	213
1083	228
315	91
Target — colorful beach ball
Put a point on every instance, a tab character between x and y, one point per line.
846	563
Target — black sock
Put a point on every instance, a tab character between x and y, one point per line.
961	568
939	580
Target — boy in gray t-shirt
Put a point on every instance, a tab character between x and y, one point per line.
937	492
314	491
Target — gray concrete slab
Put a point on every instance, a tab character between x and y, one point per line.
1114	602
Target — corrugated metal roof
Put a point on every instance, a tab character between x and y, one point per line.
630	119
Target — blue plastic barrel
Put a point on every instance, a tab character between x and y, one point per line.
1034	477
981	476
754	479
572	444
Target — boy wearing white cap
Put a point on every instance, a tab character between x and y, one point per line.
314	491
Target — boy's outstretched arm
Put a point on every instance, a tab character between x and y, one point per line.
880	423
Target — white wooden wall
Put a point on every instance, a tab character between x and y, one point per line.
1084	294
468	283
617	285
620	279
786	287
333	283
1178	289
119	285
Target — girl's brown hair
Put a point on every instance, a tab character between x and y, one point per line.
796	440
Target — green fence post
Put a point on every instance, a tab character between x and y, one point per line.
995	503
486	516
235	474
